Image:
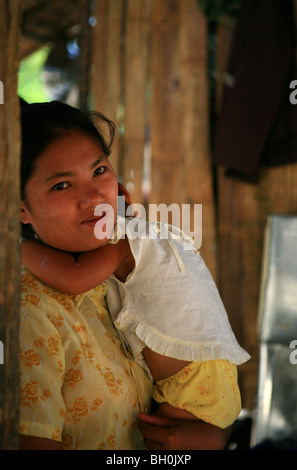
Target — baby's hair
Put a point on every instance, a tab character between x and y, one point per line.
43	123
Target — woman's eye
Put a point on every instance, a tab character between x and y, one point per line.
99	170
60	186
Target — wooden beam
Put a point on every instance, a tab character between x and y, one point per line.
166	162
10	16
136	56
181	168
197	185
28	46
85	54
107	73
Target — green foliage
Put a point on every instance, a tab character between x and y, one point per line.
30	86
214	9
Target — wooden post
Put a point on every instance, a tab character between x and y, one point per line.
197	184
181	167
10	16
135	79
166	164
150	74
107	66
85	56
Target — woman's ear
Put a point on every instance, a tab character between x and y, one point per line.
123	192
25	214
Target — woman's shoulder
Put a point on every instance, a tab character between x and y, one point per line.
29	283
38	296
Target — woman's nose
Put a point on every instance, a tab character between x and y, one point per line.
91	196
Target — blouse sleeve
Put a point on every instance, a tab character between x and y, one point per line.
42	372
208	390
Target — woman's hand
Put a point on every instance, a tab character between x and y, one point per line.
169	434
38	443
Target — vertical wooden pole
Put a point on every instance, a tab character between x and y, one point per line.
107	64
166	160
135	79
197	184
85	55
150	74
10	16
181	167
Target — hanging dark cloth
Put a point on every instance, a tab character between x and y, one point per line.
257	123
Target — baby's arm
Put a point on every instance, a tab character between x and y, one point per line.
61	271
173	428
162	367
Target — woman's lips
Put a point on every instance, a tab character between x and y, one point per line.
91	221
102	225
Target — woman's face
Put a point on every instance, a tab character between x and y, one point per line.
72	176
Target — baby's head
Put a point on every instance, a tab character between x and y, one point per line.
58	139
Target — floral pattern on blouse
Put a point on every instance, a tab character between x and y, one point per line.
79	382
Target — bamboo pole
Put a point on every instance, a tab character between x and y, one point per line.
166	164
10	16
181	167
107	66
137	43
197	185
85	55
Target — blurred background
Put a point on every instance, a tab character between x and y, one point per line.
202	95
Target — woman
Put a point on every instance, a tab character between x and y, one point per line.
80	387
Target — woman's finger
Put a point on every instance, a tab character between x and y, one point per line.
152	445
156	434
155	420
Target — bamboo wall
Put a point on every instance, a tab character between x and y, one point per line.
242	215
150	76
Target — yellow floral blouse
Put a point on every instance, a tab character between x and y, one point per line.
79	383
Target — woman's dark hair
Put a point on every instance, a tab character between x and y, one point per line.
43	123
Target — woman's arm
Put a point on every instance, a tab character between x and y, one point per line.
62	272
38	443
176	434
